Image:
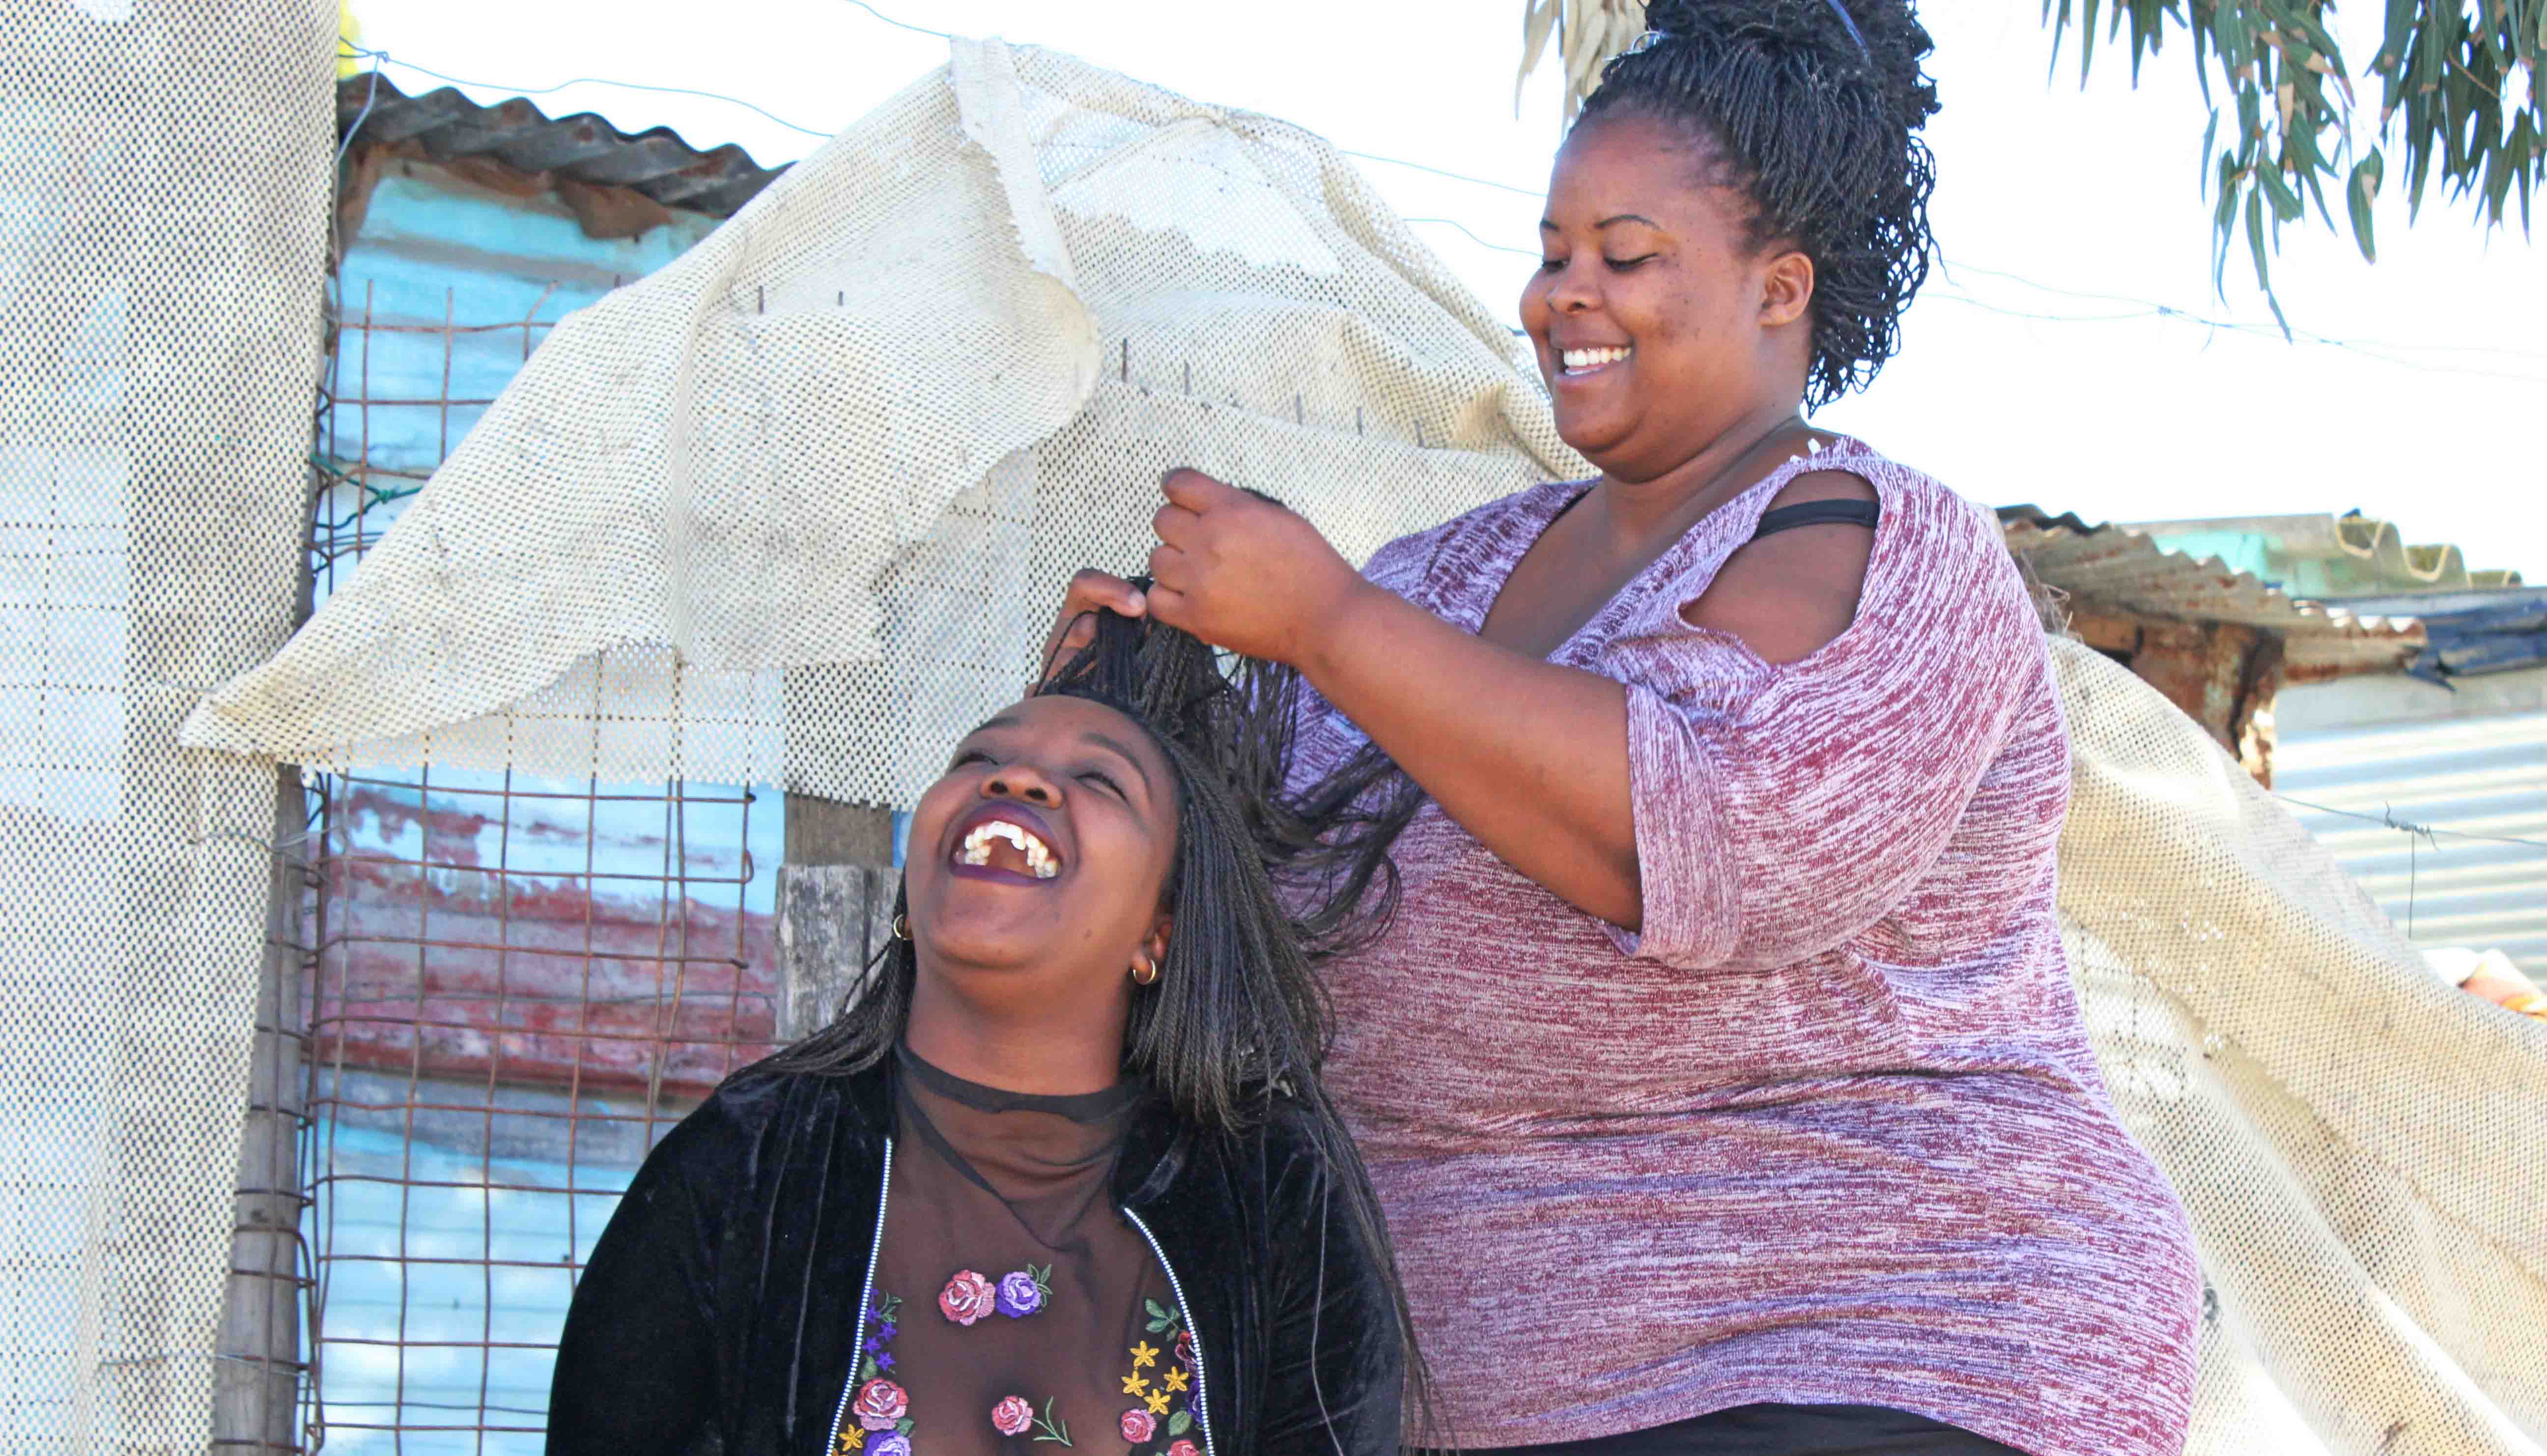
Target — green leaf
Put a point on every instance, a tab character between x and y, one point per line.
2359	193
2255	237
2209	135
867	1368
2286	203
1157	1310
903	1426
1181	1422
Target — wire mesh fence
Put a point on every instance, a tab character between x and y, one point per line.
514	986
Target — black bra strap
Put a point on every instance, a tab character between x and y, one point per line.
1818	513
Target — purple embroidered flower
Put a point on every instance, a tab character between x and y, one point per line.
1021	1295
891	1443
884	1361
875	1342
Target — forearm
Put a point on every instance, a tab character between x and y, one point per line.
1530	757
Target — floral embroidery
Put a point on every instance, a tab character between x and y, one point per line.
873	1358
1024	1292
1159	1409
1049	1429
1012	1417
967	1297
881	1408
880	1405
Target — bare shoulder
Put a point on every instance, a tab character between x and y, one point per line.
1788	594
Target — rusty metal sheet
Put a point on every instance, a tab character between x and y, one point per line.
2115	567
583	147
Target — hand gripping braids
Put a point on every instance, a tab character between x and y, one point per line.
1813	108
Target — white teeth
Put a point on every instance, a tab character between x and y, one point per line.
1583	359
976	848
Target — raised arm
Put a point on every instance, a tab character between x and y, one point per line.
1530	757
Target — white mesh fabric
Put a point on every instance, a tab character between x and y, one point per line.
2355	1140
763	478
163	209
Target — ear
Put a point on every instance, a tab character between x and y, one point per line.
1785	288
1161	932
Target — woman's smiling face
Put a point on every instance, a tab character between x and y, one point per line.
1657	324
1037	862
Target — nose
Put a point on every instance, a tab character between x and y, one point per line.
1570	291
1024	783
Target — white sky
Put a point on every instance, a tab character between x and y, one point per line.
2045	195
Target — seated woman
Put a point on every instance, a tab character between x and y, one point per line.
1062	1174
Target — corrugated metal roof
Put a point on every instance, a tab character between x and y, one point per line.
2475	776
585	148
2120	566
2322	556
2472	633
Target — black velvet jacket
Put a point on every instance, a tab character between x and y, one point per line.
719	1313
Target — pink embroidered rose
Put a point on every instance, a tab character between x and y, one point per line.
1184	1448
880	1405
967	1297
1012	1415
1139	1425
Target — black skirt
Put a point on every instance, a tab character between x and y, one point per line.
1780	1430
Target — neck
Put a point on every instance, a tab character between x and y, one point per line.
1668	504
1053	1048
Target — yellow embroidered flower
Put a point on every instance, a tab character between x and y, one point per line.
1177	1381
852	1440
1143	1357
1136	1385
1158	1402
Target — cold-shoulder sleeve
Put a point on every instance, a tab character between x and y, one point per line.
1781	810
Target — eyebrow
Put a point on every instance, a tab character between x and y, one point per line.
1548	224
1121	752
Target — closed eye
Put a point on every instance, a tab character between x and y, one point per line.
1622	265
970	756
1105	781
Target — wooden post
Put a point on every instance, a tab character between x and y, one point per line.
835	894
256	1390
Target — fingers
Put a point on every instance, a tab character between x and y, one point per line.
1194	490
1092	589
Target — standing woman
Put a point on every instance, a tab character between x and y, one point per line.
1720	1069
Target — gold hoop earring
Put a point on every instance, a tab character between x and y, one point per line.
1145	972
901	927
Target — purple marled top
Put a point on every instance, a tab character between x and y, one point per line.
1828	1131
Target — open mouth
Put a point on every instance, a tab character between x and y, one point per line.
1575	363
1006	841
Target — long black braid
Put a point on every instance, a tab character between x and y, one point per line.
1238	1016
1813	110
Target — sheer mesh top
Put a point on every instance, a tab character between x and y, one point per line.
1015	1311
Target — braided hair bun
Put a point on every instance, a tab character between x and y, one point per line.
1813	108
